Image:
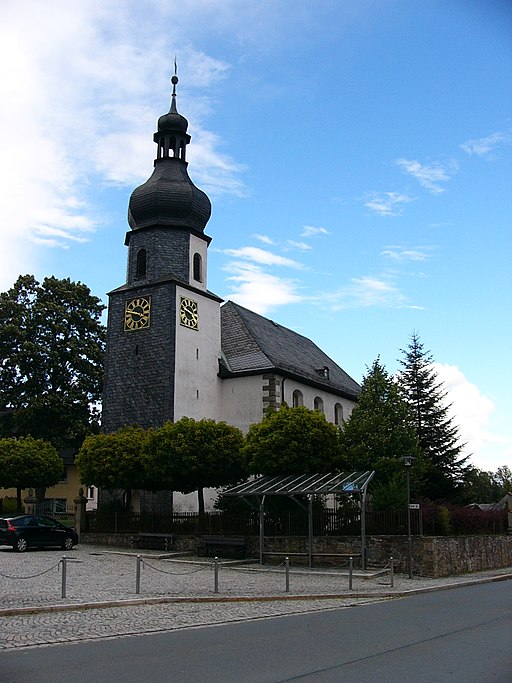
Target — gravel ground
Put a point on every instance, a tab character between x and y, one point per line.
101	599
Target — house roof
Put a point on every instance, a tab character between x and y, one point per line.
253	344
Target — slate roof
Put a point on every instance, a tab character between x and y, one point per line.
252	344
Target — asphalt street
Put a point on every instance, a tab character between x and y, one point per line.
459	635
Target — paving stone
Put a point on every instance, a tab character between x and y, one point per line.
33	581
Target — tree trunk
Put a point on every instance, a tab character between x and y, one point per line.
19	505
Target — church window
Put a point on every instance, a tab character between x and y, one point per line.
319	404
338	414
141	265
297	398
198	268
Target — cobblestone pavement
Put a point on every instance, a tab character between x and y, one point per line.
175	592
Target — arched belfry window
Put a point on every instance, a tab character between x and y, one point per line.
198	268
338	414
140	269
297	398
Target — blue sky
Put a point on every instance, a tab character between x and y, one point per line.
358	156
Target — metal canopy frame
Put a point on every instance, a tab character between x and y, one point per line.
310	485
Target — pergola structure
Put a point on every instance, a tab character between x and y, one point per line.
310	485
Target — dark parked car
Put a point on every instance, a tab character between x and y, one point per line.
28	531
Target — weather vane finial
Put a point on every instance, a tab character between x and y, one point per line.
174	79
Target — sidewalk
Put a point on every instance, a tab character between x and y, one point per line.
175	592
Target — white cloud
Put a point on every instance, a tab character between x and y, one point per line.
365	292
471	412
312	231
428	177
264	238
261	256
482	146
387	203
397	253
301	246
258	290
83	98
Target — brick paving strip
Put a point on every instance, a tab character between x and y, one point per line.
101	600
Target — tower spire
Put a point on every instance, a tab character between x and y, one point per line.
174	81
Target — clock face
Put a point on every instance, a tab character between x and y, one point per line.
189	316
136	314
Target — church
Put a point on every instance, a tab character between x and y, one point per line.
174	348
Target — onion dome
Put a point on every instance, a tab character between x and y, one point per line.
169	198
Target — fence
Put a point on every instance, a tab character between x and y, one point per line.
326	522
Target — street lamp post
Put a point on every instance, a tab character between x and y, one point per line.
408	464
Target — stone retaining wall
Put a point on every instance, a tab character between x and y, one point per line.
433	556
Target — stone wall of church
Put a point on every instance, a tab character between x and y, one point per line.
139	368
167	253
242	400
309	394
197	390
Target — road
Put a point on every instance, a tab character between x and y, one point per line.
459	635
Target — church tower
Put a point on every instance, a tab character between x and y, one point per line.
163	333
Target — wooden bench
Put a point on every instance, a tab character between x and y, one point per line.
146	539
222	546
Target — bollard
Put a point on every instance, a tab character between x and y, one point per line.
63	589
350	570
392	572
287	569
137	575
216	575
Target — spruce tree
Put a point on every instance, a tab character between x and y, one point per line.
378	435
438	436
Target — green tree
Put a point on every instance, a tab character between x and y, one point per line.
292	441
437	434
191	455
51	360
503	477
115	461
378	435
479	486
28	463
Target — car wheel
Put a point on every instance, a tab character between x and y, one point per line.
68	544
21	544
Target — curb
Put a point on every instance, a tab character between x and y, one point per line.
70	607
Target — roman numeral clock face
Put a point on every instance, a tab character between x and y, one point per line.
189	316
137	314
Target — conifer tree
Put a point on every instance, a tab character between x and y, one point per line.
379	434
437	434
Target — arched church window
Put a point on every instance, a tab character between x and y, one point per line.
198	268
338	414
297	399
319	404
140	269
